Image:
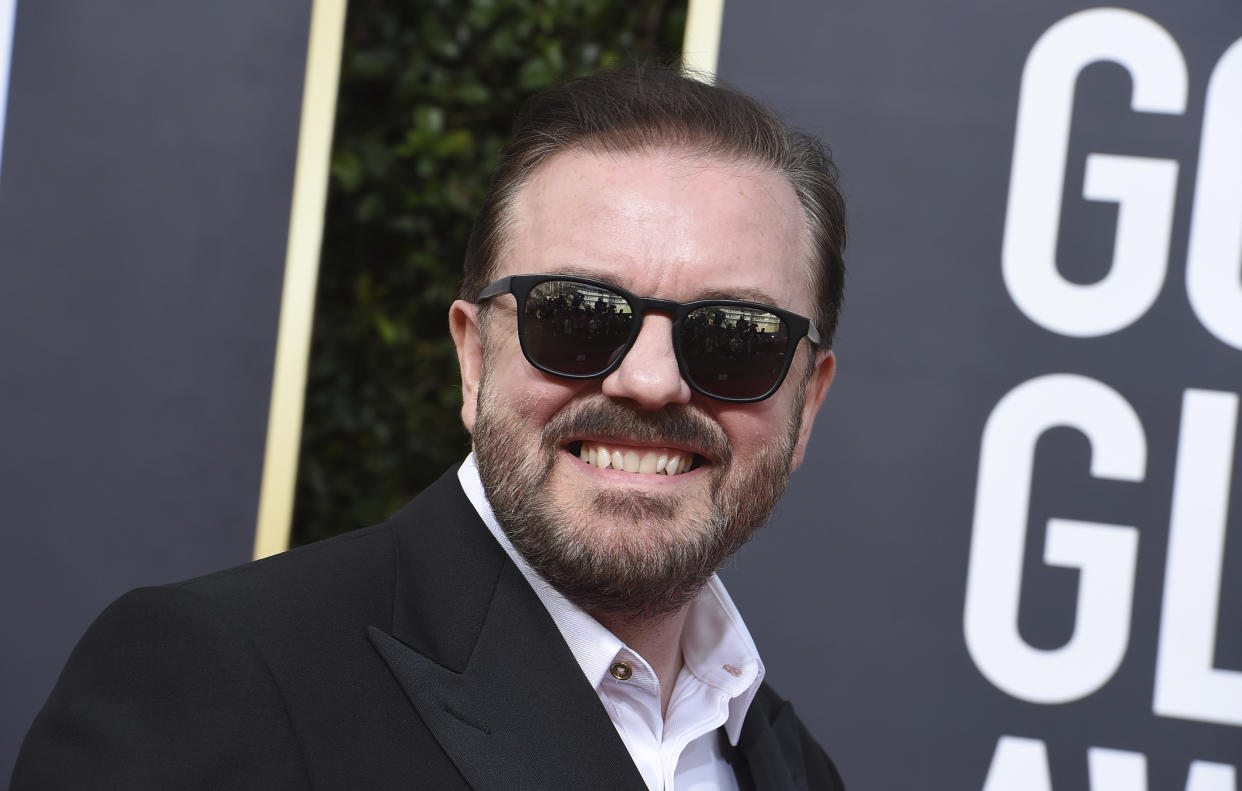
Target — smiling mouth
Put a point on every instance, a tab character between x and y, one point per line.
640	461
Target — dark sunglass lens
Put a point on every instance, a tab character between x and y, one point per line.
575	328
734	352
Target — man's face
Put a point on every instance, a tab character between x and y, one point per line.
662	224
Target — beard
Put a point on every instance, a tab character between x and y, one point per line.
624	551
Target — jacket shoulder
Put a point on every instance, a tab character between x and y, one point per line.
137	707
338	573
253	668
802	754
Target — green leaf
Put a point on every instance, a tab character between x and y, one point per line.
428	91
347	170
429	118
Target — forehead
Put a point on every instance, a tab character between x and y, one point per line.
668	224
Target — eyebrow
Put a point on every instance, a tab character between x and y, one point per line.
740	294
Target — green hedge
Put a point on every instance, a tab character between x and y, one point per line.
428	90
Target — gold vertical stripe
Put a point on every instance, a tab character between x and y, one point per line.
701	46
297	303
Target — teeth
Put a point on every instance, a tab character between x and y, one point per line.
633	461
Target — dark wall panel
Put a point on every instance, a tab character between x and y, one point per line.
1013	546
144	208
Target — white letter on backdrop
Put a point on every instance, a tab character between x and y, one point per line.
1105	554
1143	187
1187	686
1019	765
1116	770
1207	776
1214	256
8	15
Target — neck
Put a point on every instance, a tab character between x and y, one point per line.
657	639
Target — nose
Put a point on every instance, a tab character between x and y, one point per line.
648	375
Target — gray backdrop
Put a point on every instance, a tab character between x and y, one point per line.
144	208
1091	640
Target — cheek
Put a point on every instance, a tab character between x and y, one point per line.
752	426
769	426
528	396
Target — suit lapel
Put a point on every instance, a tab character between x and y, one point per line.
770	747
482	662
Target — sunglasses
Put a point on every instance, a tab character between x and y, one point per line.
580	328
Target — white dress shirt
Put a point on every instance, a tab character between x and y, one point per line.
720	676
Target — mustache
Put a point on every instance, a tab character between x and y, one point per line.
674	425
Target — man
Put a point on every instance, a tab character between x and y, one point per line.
644	338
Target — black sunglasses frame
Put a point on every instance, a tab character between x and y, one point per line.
520	287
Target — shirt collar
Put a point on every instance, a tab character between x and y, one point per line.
715	643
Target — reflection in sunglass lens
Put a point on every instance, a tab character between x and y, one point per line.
575	328
734	352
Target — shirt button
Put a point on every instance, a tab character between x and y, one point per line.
621	671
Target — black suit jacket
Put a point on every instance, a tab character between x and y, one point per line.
408	655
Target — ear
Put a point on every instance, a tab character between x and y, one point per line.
464	326
816	389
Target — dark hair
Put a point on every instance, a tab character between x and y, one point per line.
641	108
